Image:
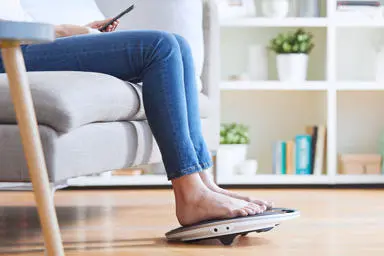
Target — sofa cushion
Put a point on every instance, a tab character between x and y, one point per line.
68	100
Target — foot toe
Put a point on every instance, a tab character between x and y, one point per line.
242	212
250	211
256	207
264	204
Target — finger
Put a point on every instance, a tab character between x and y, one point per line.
110	27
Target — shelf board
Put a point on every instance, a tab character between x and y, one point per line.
359	86
359	179
357	22
137	180
271	179
274	22
301	22
305	86
271	85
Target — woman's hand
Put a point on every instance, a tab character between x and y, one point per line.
100	23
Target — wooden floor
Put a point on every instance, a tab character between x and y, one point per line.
333	222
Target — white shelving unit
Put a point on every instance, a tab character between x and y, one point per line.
267	22
341	93
337	82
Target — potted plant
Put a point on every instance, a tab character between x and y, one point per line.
234	140
292	51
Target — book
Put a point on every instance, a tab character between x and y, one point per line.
312	131
303	154
279	158
290	157
319	150
359	3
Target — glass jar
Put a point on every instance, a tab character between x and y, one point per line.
309	8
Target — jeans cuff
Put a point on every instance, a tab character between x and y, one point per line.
206	165
190	170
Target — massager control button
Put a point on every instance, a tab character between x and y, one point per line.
221	229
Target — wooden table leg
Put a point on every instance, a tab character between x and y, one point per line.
22	100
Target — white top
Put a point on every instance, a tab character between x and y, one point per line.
12	10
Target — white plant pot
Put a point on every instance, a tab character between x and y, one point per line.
292	67
229	157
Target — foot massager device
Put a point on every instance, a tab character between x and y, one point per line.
227	230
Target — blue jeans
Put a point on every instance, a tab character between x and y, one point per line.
163	62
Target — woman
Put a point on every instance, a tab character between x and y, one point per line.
164	63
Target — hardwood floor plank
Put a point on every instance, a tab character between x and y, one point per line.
133	222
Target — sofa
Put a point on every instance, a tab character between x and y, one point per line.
92	123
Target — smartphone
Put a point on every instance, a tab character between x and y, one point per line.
103	28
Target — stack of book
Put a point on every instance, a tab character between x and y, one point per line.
304	154
360	7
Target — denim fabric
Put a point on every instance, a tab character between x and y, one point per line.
163	62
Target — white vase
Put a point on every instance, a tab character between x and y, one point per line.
258	62
292	67
380	65
229	156
275	8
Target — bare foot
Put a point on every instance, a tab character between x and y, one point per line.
206	178
196	203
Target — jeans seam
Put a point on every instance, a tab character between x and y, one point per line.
85	53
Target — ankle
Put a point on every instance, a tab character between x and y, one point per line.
188	188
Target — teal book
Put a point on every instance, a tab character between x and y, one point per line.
283	157
303	154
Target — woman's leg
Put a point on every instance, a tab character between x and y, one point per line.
195	125
155	59
192	98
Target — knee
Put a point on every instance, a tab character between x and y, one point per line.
183	43
166	43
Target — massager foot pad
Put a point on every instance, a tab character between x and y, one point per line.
227	230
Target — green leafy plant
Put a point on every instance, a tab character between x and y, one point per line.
234	134
299	41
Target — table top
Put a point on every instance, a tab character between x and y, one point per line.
30	32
